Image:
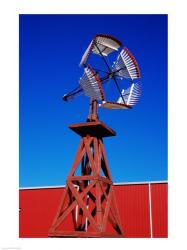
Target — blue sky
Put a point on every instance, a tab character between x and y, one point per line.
51	47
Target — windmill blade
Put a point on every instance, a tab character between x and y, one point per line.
86	54
91	84
114	105
126	66
79	90
131	95
106	44
101	45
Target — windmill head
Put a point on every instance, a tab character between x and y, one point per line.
124	74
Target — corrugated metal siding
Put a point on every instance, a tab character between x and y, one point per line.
159	199
37	210
133	205
39	206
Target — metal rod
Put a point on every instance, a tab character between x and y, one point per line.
118	88
113	77
103	58
100	70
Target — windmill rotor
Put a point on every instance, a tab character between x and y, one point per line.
123	71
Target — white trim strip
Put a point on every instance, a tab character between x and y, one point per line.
116	184
76	208
150	212
140	182
41	187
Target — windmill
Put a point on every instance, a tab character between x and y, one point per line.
88	205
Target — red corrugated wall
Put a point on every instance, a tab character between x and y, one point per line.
133	205
159	199
38	208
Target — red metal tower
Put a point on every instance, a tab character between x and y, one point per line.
89	200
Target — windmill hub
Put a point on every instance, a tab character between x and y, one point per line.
110	75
